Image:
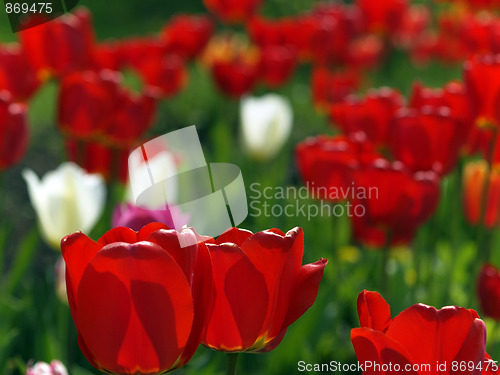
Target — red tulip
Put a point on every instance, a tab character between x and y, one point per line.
383	16
16	74
60	46
488	291
327	164
481	194
13	131
234	65
87	101
396	202
260	287
277	64
168	75
265	32
429	139
482	79
233	11
415	21
419	336
187	35
329	87
107	56
372	114
137	51
138	299
454	96
96	157
132	117
365	52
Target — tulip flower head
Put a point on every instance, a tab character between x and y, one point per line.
266	124
41	368
65	200
261	287
488	291
419	335
139	300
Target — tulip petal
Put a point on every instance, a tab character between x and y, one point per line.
234	235
432	335
376	348
305	291
236	320
118	234
124	292
77	250
373	311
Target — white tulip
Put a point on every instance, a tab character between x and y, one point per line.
66	200
266	124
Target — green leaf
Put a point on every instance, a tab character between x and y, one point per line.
22	260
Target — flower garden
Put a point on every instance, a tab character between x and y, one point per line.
366	134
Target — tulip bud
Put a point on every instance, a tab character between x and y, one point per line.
266	123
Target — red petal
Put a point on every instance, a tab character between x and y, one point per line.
241	300
118	234
135	309
375	348
234	235
373	311
305	291
431	335
77	250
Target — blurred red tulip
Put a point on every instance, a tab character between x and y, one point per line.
426	139
168	74
365	52
265	32
333	86
16	74
13	131
482	79
234	65
187	35
107	55
86	102
277	64
233	11
137	51
61	46
384	16
415	21
371	114
261	287
327	164
481	194
451	335
396	202
130	119
452	95
488	291
97	157
138	287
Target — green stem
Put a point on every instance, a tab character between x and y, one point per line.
232	358
384	282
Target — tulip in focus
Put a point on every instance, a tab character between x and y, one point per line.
65	200
266	123
41	368
261	287
139	300
488	291
13	131
481	194
419	335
